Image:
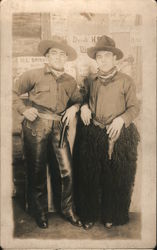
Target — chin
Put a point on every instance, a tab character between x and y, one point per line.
57	67
106	69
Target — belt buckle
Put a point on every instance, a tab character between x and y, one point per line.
34	133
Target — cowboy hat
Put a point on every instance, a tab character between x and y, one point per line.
105	43
59	43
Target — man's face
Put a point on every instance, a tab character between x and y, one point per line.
56	58
105	60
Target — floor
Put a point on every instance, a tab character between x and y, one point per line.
25	227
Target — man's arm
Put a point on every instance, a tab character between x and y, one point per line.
21	86
132	110
76	98
86	113
132	104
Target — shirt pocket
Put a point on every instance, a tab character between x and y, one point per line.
42	88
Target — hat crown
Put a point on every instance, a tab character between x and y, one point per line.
57	42
59	39
105	41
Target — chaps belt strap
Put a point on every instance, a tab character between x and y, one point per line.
52	117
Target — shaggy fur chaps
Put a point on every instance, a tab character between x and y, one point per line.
103	186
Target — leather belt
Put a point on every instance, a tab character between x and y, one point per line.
96	123
45	113
51	117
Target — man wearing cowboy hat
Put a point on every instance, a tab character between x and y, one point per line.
106	141
54	100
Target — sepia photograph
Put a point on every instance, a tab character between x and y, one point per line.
80	146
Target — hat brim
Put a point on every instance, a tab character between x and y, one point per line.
44	45
91	52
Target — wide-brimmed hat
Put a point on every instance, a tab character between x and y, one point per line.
105	43
59	43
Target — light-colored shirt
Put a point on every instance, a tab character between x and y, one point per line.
116	98
46	89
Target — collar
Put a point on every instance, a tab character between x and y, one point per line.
107	73
107	77
95	76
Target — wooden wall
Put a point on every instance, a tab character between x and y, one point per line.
27	30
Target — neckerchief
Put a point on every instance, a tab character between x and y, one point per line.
106	77
55	72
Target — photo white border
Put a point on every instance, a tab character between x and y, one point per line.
148	10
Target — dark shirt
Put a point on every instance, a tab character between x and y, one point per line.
116	98
44	88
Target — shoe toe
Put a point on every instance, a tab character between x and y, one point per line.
88	226
79	223
44	224
75	221
108	225
42	221
73	218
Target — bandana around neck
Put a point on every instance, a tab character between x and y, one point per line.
106	77
55	72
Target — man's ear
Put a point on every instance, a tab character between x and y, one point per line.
66	57
115	59
47	52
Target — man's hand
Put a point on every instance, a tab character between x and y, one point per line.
69	114
86	114
30	114
115	127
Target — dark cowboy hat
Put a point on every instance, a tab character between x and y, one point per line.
105	43
59	43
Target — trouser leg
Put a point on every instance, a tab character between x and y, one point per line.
63	156
107	201
55	177
35	144
87	172
119	174
116	196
